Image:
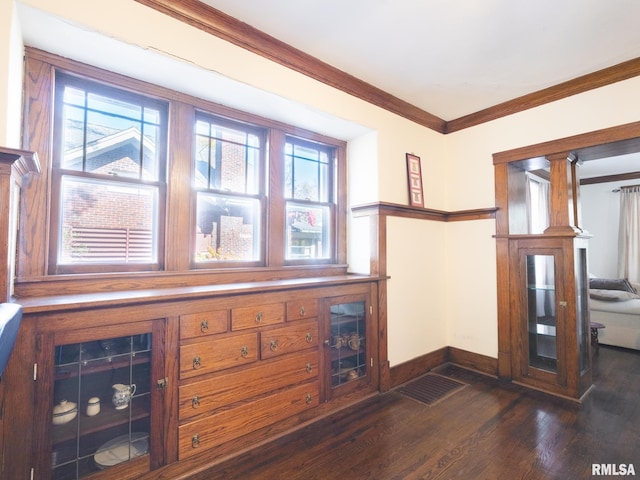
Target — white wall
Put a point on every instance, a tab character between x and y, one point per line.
443	281
601	218
11	48
417	253
471	296
471	185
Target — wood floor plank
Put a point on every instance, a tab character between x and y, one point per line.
487	430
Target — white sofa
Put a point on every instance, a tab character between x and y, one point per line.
620	317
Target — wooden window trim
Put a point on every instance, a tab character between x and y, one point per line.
32	276
57	173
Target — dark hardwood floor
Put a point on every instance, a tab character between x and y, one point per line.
487	430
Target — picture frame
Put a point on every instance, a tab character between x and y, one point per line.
414	178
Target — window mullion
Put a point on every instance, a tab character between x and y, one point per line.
276	222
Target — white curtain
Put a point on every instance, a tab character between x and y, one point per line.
537	197
538	220
629	234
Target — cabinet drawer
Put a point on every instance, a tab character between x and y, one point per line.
257	316
205	323
200	435
292	338
208	395
302	309
217	354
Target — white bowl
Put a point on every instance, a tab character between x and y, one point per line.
64	412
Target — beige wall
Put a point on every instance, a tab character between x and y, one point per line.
442	289
10	76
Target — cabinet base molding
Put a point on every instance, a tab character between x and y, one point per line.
474	361
407	371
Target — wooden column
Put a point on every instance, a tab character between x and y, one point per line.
575	191
562	201
15	165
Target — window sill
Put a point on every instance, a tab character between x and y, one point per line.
81	301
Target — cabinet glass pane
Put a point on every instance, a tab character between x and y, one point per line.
541	312
348	337
528	190
582	304
102	402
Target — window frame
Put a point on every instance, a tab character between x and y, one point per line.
62	80
176	260
261	194
331	201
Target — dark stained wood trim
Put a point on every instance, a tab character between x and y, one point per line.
15	165
19	162
73	301
405	211
475	214
413	368
97	74
474	361
610	178
215	22
601	78
383	338
569	144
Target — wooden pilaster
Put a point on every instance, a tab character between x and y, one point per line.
15	165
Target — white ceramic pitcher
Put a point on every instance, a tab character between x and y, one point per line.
122	395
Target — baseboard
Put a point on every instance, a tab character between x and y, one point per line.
413	368
406	371
474	361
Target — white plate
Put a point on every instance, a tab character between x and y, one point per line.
120	450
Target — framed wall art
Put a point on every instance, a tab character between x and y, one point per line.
414	176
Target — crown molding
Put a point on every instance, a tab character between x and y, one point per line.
601	78
221	25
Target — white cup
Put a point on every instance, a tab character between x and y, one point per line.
93	406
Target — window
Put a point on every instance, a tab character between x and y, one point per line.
143	179
308	199
229	159
108	170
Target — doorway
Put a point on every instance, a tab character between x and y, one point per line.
565	214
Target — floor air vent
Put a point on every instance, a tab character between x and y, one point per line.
430	388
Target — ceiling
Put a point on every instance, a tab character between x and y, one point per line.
453	58
447	58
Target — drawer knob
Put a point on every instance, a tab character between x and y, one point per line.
195	402
204	326
259	317
195	441
273	346
302	311
244	351
309	399
197	363
309	368
309	337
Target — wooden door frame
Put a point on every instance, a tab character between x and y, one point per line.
592	145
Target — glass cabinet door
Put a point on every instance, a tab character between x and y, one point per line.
541	312
348	340
101	405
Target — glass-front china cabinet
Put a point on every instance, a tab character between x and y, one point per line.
542	275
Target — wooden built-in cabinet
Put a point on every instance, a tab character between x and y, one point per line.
258	369
551	328
211	373
349	361
543	312
85	430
